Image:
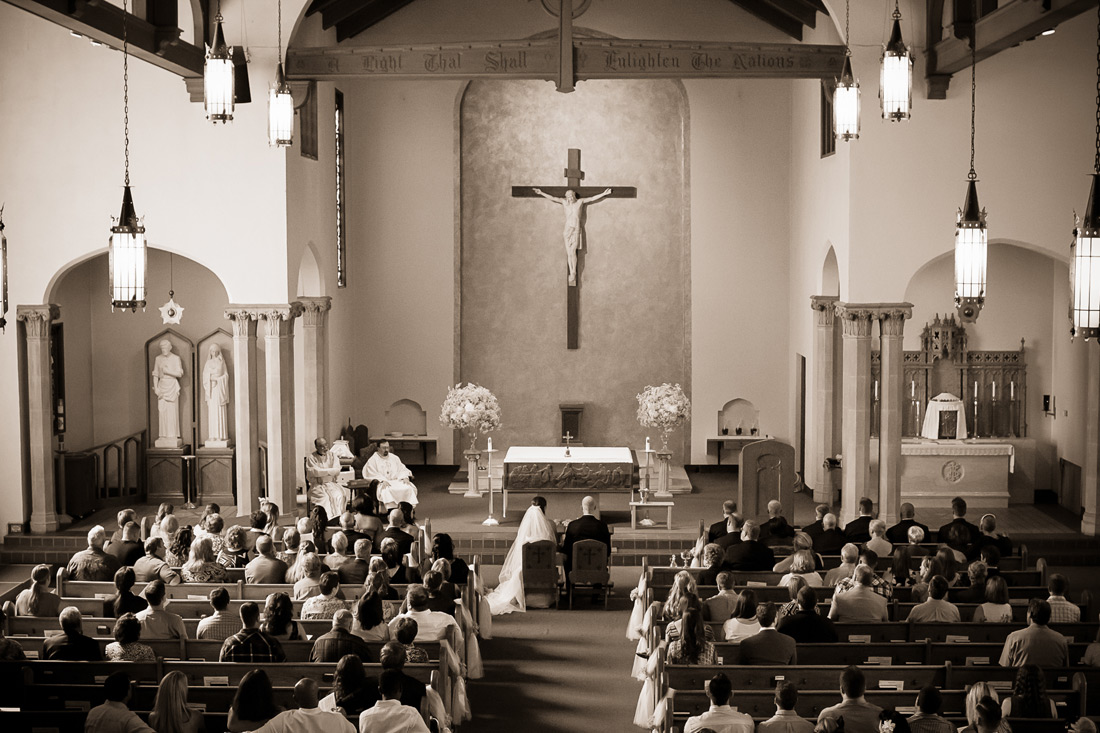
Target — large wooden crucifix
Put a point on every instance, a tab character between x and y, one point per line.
573	197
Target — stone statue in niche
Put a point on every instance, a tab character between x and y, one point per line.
215	386
572	234
167	370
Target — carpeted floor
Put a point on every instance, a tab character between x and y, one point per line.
557	672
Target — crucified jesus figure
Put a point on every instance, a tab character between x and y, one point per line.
572	233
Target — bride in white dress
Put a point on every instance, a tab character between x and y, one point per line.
509	595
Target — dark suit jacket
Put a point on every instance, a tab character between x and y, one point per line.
899	533
404	539
776	531
75	648
354	535
969	594
127	553
971	528
584	528
729	540
829	542
716	530
808	627
1002	543
813	529
768	646
858	530
750	555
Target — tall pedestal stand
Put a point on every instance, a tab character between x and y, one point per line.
664	466
491	520
472	457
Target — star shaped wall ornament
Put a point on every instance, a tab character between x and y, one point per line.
171	312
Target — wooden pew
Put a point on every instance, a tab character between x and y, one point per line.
993	633
976	654
894	653
806	677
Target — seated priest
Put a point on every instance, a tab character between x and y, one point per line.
394	485
322	467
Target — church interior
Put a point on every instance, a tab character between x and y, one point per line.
803	286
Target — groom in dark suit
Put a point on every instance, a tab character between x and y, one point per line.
587	527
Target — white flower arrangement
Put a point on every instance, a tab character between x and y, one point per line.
665	407
472	408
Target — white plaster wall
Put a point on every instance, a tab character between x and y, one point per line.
740	209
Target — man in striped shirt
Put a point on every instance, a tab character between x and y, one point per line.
250	644
222	624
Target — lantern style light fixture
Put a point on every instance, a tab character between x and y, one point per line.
280	103
846	95
1085	251
219	87
895	89
3	275
971	235
126	248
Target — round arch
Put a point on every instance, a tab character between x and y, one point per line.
58	276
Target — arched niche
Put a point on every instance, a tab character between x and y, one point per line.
310	282
738	413
105	365
830	274
406	417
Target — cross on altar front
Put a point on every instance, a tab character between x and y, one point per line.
573	196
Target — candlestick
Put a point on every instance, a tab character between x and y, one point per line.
490	443
912	389
994	390
1012	390
647	444
975	390
876	389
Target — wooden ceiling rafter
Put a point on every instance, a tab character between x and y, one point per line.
996	30
374	12
773	16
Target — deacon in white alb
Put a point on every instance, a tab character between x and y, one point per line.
322	467
393	477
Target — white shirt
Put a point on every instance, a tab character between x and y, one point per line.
313	720
392	717
720	719
430	624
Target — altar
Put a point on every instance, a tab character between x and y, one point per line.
585	469
935	471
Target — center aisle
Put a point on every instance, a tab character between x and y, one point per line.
557	672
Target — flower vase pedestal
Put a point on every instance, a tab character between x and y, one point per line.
664	466
473	491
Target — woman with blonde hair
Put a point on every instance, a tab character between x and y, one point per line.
378	580
802	566
977	692
37	600
272	511
201	567
801	541
297	569
682	585
157	528
170	711
309	584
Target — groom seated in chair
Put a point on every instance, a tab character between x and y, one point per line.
587	527
394	479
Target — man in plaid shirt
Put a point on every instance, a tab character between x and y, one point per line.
1061	610
334	645
222	624
878	585
250	644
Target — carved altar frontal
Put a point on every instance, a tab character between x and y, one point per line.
585	469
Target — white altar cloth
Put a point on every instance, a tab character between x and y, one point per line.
956	448
943	402
577	454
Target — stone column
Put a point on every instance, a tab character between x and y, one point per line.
315	365
856	322
891	320
246	408
822	434
283	463
36	321
1090	489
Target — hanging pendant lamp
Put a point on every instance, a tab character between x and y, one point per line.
126	248
219	84
280	103
896	78
971	235
1085	251
846	96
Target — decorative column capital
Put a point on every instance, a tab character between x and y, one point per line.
37	318
856	319
314	310
891	318
279	319
244	319
825	305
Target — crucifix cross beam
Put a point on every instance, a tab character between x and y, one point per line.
573	197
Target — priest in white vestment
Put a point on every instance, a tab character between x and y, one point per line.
392	475
322	467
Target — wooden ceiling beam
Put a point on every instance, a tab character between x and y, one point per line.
317	5
102	22
1002	28
335	11
367	17
773	17
795	9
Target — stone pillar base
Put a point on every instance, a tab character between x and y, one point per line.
664	465
473	491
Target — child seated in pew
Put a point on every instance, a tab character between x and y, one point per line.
692	645
235	552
